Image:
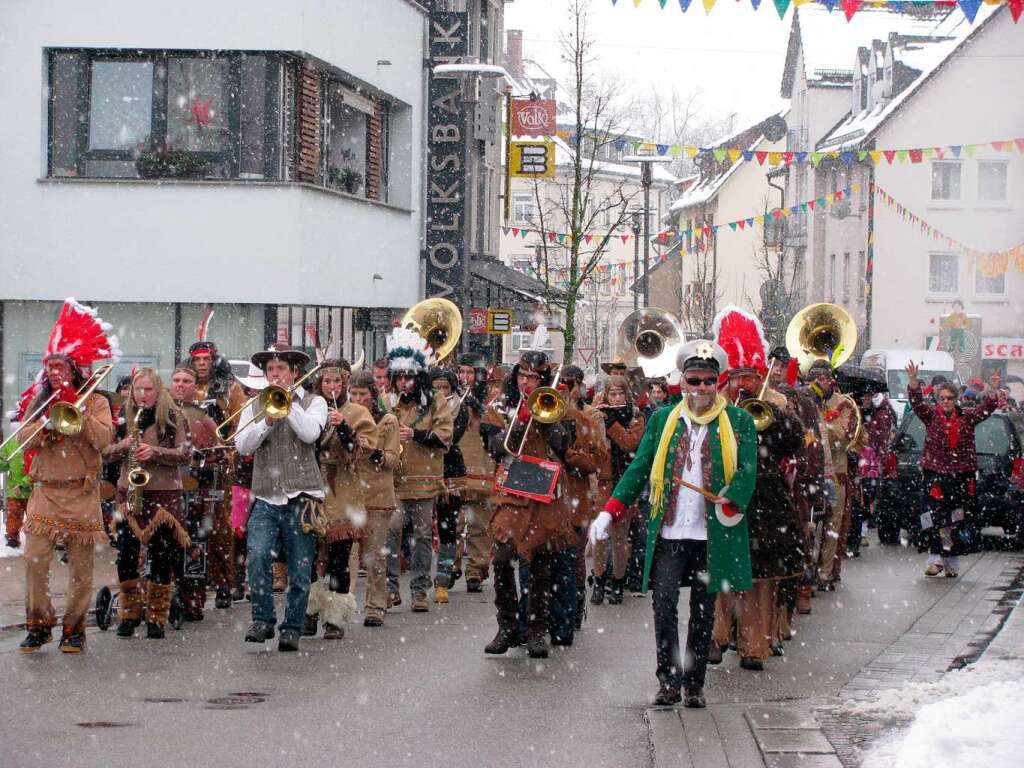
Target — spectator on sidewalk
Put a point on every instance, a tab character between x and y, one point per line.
950	466
18	489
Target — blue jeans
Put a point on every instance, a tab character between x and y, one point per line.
268	525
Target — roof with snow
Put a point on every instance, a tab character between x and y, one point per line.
829	42
925	55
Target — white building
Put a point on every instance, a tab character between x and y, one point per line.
703	274
260	158
942	90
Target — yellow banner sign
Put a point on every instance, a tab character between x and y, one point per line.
533	159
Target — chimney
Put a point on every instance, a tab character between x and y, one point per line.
514	53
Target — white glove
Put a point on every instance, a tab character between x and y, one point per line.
599	528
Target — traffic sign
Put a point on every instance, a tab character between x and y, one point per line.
533	159
586	354
499	321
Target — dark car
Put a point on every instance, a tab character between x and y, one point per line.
1000	446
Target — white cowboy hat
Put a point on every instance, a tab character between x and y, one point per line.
254	379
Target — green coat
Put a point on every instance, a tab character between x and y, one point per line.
19	485
728	547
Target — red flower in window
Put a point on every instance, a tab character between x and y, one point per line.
200	112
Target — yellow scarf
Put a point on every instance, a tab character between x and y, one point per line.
727	439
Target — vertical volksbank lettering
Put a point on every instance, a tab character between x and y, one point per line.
446	181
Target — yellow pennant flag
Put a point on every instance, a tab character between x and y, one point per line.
830	198
708	5
787	212
774	158
734	155
855	187
875	155
691	152
759	218
636	3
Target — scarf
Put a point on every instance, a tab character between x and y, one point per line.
726	438
952	426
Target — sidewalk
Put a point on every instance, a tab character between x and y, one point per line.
12	585
826	732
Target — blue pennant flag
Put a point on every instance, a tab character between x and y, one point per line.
756	4
662	149
846	157
970	8
830	4
956	149
748	154
800	157
684	4
620	145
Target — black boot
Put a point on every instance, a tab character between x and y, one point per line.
154	631
537	646
615	592
581	609
126	627
597	594
223	598
507	637
35	640
309	627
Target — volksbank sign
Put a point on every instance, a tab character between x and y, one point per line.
446	179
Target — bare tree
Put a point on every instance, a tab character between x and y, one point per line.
681	118
780	297
585	200
701	293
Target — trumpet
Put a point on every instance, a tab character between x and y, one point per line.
66	418
273	401
546	404
757	407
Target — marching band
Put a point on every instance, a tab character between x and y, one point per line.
719	464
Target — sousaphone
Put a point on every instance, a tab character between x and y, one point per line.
651	338
821	332
439	322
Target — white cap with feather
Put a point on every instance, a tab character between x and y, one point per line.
408	351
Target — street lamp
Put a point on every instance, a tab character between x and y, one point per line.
646	177
635	226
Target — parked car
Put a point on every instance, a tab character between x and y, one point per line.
1000	446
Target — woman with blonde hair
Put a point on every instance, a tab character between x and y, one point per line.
152	435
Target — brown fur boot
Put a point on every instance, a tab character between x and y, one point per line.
158	607
803	599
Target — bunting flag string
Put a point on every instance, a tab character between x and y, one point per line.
989	263
850	7
913	155
691	240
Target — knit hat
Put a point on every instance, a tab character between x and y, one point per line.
80	338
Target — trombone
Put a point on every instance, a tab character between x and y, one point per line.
758	407
65	418
546	404
273	400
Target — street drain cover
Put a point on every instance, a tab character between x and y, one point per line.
103	724
239	700
161	700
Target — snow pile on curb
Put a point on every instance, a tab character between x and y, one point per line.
978	725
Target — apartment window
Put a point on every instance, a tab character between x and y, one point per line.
846	277
862	280
345	137
522	264
943	273
946	181
154	114
989	285
832	277
992	180
524	208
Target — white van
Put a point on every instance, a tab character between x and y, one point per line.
893	363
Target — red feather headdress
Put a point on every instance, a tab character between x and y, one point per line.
740	334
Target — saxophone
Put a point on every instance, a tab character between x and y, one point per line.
138	478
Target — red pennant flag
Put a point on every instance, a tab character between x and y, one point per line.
515	231
916	155
625	239
742	223
850	7
890	155
838	195
777	214
997	146
551	237
588	238
787	157
1019	142
1016	6
761	157
811	204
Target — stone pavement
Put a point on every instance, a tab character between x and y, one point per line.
966	616
12	585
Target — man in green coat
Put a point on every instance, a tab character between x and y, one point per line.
17	489
700	456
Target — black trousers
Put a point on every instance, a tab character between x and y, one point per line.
163	553
682	563
339	579
506	599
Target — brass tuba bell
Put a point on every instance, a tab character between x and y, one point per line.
819	332
650	339
438	321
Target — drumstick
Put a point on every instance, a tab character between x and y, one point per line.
706	494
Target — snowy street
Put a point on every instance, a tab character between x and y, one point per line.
423	686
